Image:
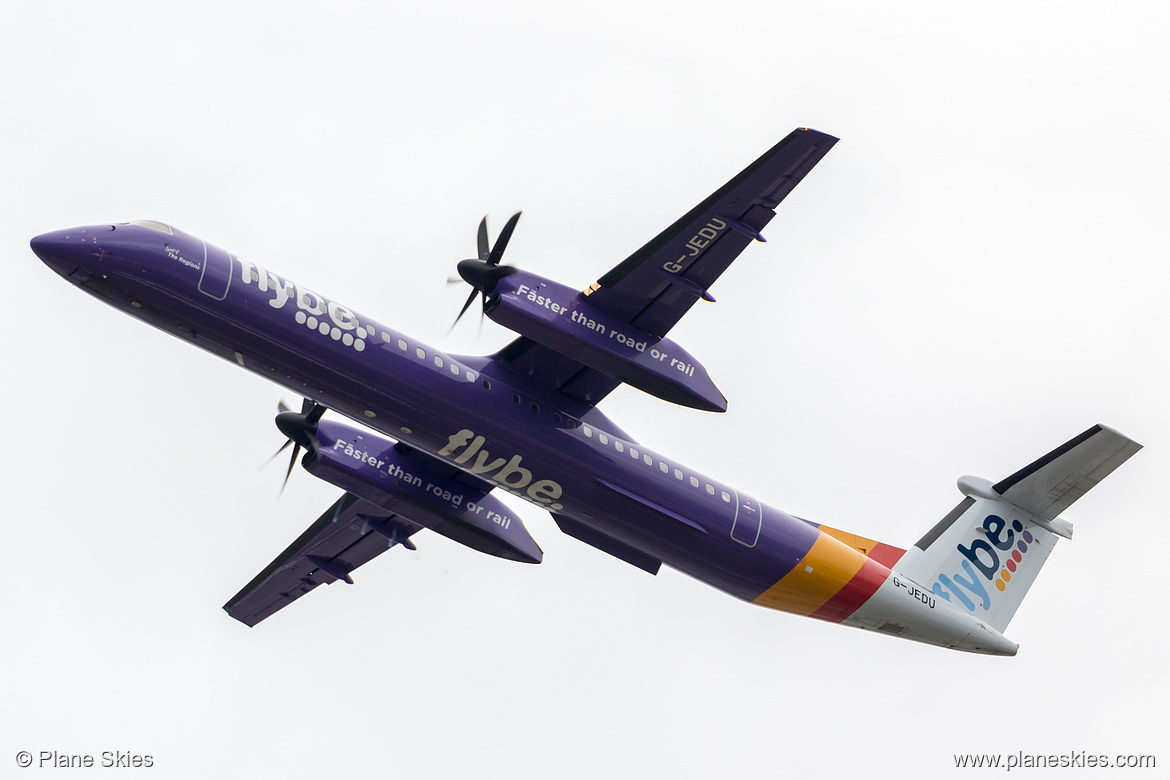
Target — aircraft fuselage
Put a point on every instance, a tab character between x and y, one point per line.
490	422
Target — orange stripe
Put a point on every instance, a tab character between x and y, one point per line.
853	540
827	568
885	554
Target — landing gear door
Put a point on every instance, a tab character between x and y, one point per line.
216	277
749	516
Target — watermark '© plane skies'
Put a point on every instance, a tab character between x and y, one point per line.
439	433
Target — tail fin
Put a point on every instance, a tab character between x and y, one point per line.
986	553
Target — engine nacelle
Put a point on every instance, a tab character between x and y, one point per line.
408	484
562	319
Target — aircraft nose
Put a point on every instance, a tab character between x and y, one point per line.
67	250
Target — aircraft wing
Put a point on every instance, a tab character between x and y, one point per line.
655	286
644	289
351	532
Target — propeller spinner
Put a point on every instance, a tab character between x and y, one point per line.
483	273
300	428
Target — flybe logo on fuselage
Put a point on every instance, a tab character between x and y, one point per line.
982	563
312	310
508	473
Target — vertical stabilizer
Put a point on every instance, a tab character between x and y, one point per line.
985	554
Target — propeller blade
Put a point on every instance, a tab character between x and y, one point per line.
502	240
276	454
481	240
291	463
466	306
281	406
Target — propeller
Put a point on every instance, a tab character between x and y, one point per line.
300	428
483	273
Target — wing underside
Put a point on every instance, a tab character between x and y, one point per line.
347	535
655	286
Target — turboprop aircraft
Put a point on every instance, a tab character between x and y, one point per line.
430	436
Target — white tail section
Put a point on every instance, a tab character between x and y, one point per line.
985	554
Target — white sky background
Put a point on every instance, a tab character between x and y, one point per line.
976	273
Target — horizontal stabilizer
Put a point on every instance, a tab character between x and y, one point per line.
1051	484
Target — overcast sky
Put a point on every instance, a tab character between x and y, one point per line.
976	273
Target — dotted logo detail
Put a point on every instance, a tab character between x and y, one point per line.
1013	561
356	339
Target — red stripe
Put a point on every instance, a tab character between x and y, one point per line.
855	593
886	554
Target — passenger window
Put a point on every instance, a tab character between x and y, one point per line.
678	474
487	385
726	496
587	431
535	406
601	437
470	376
663	467
438	361
422	353
385	337
694	481
402	345
454	369
648	459
620	447
710	489
515	398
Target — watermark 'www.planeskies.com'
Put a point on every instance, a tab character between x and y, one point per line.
1071	760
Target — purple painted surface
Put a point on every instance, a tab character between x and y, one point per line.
297	338
522	420
560	318
418	487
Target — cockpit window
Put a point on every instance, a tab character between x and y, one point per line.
150	223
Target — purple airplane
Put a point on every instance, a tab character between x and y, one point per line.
438	433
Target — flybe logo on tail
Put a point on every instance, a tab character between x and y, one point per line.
982	563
